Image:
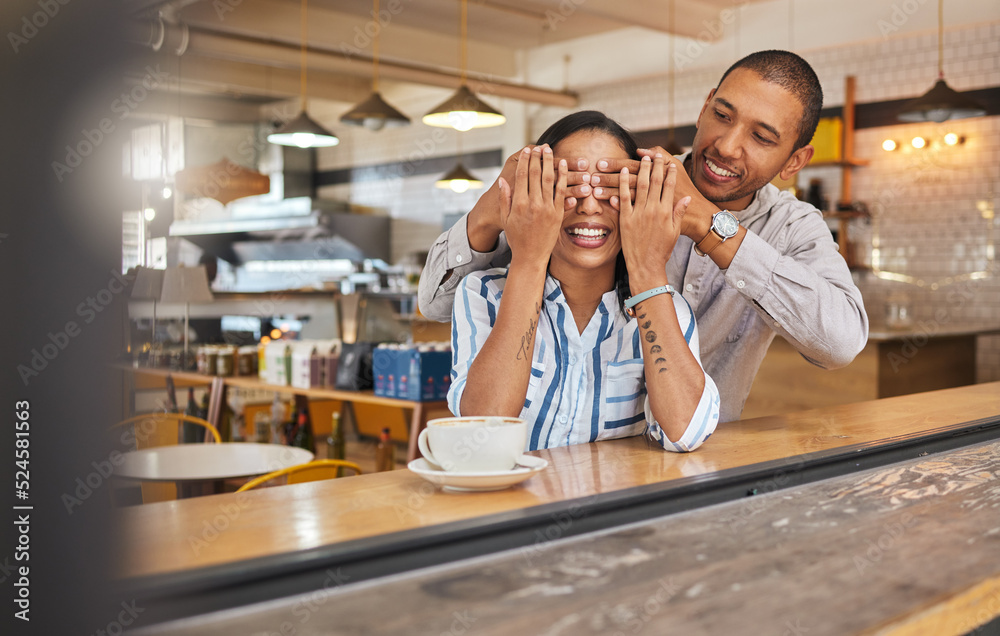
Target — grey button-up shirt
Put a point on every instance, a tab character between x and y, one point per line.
787	278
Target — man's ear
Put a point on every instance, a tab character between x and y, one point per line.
796	162
708	99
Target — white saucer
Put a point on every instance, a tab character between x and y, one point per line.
477	482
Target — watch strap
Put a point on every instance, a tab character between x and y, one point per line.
707	245
649	293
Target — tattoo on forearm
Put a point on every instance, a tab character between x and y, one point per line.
526	340
650	336
646	324
659	360
655	349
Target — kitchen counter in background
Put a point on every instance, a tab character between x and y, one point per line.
923	357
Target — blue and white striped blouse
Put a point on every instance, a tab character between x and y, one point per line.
583	387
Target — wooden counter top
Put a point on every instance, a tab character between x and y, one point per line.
908	549
192	533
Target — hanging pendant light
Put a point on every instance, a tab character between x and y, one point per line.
941	103
375	113
303	131
463	110
459	180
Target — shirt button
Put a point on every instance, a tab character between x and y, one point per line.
562	419
572	359
458	257
740	284
689	287
776	325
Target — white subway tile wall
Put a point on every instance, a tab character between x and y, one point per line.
934	209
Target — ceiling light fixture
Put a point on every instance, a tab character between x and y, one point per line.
463	110
459	179
303	131
375	113
889	145
941	102
918	142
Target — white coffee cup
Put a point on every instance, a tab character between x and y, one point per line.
477	444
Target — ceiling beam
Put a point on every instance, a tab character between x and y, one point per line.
207	43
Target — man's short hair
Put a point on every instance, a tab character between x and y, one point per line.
791	72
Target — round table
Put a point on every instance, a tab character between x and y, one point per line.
209	462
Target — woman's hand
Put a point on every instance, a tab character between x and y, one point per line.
651	225
531	210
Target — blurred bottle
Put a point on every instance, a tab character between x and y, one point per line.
277	419
336	446
303	435
192	433
385	452
238	422
226	421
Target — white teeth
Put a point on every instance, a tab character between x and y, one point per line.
588	232
719	171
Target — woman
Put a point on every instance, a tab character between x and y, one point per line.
562	350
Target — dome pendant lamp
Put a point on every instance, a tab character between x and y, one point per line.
375	113
463	110
303	131
941	103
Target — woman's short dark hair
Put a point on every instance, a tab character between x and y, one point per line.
596	120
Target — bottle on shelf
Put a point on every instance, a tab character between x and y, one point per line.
192	433
385	452
226	421
303	435
238	423
336	446
203	409
277	419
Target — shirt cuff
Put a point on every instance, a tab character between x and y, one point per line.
462	258
751	268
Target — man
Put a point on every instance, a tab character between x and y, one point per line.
753	261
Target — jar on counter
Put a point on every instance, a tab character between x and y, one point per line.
211	359
246	364
202	361
225	362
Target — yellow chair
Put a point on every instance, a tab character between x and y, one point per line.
161	429
313	471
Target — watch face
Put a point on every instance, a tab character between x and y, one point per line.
725	224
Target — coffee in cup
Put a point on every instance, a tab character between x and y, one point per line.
476	444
